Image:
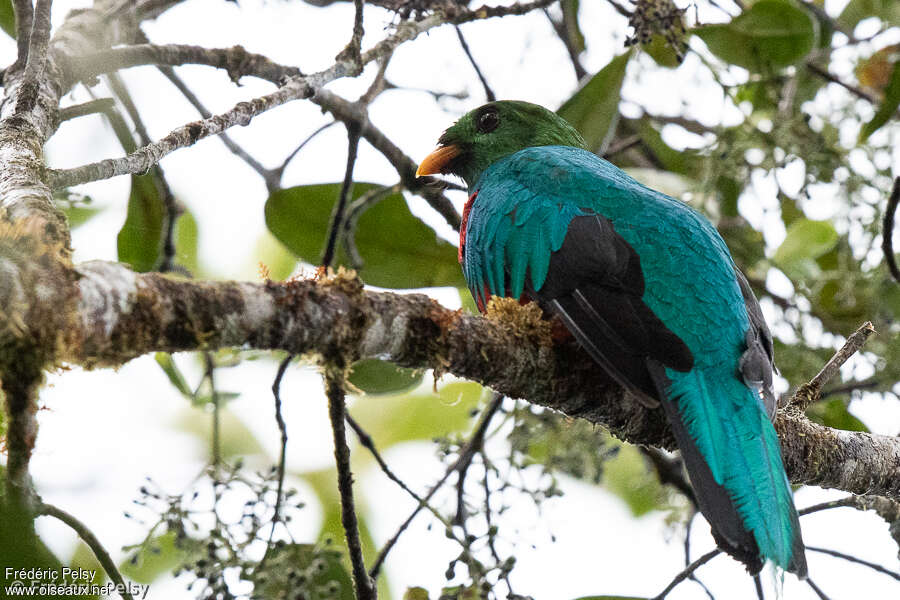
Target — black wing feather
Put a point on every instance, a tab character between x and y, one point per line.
595	285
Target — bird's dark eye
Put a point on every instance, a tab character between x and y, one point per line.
488	121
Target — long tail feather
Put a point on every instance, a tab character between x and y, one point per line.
732	455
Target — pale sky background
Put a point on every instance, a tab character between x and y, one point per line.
102	432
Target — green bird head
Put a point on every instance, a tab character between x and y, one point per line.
490	132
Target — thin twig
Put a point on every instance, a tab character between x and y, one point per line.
98	105
853	559
562	31
38	43
282	428
334	389
279	171
464	454
687	573
826	75
268	175
295	88
88	537
809	393
622	145
816	589
849	388
366	441
887	230
209	375
465	458
337	219
488	92
429	188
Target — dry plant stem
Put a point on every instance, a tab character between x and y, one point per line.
826	75
887	231
468	452
853	559
808	393
465	454
282	428
337	219
366	441
88	537
488	92
687	572
334	389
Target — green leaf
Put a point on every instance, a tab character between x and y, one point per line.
834	413
425	416
661	51
375	376
315	570
159	556
186	242
888	107
7	17
857	10
274	257
176	378
398	250
626	475
594	108
79	215
235	438
770	34
140	239
806	240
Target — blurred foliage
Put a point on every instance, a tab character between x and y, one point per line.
7	17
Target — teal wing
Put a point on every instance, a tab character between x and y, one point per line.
648	287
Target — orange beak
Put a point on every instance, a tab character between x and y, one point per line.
437	160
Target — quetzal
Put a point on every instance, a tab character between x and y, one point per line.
647	286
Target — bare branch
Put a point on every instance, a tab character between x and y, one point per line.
334	389
808	393
295	88
38	43
268	175
477	439
887	231
98	105
687	572
430	188
853	559
815	588
88	537
235	60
